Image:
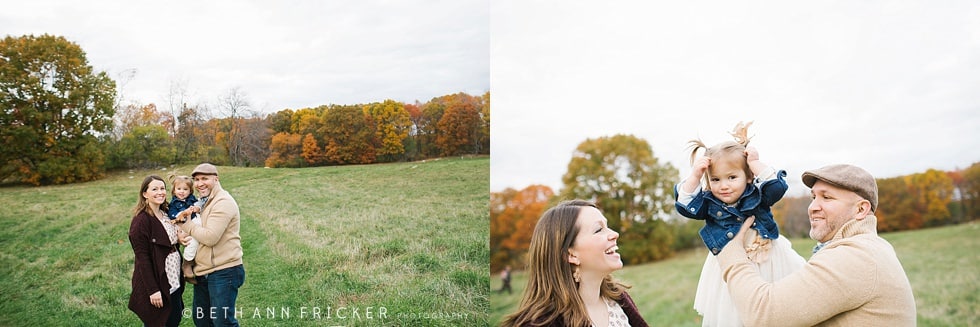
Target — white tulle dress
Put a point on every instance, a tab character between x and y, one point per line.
775	260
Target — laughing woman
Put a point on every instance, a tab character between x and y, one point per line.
157	286
570	261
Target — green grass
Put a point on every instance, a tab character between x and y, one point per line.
941	263
402	244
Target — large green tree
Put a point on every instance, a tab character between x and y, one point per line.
53	108
631	186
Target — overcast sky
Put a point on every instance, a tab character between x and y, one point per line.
891	86
280	54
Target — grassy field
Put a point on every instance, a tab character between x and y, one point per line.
401	244
941	263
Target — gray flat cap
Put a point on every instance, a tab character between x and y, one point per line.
848	177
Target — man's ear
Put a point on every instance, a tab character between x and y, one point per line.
863	209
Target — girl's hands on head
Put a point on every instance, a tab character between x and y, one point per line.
700	166
751	154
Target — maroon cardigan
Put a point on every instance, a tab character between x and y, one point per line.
629	308
151	245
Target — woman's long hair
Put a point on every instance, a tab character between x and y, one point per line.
141	204
552	293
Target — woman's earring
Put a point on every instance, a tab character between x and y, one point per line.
576	275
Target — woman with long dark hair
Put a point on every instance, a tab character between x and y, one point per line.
571	257
157	284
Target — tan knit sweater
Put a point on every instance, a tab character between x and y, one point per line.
221	245
855	280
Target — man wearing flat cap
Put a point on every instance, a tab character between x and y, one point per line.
218	263
854	277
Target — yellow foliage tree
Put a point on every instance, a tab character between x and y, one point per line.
392	124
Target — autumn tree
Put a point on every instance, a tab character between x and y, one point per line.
934	190
130	116
312	152
348	135
896	211
513	216
791	216
460	125
414	148
54	108
970	194
914	201
428	125
632	188
285	150
484	140
281	121
191	141
500	228
307	121
391	126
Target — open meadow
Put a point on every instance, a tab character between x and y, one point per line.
402	244
941	263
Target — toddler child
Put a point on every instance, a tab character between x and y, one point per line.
183	206
737	186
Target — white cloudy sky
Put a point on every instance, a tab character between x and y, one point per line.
279	54
892	86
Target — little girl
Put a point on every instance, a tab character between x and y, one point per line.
184	204
183	195
738	186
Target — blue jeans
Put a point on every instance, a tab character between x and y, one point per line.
215	295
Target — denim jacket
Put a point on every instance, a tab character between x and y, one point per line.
722	222
178	205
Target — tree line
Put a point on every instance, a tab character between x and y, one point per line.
634	190
63	122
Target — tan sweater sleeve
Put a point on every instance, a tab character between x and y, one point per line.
835	280
219	215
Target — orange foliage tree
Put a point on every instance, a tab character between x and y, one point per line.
914	201
460	126
312	153
513	215
286	150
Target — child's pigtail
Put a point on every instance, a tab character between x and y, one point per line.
741	134
172	177
695	145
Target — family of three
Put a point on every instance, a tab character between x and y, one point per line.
213	250
751	276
